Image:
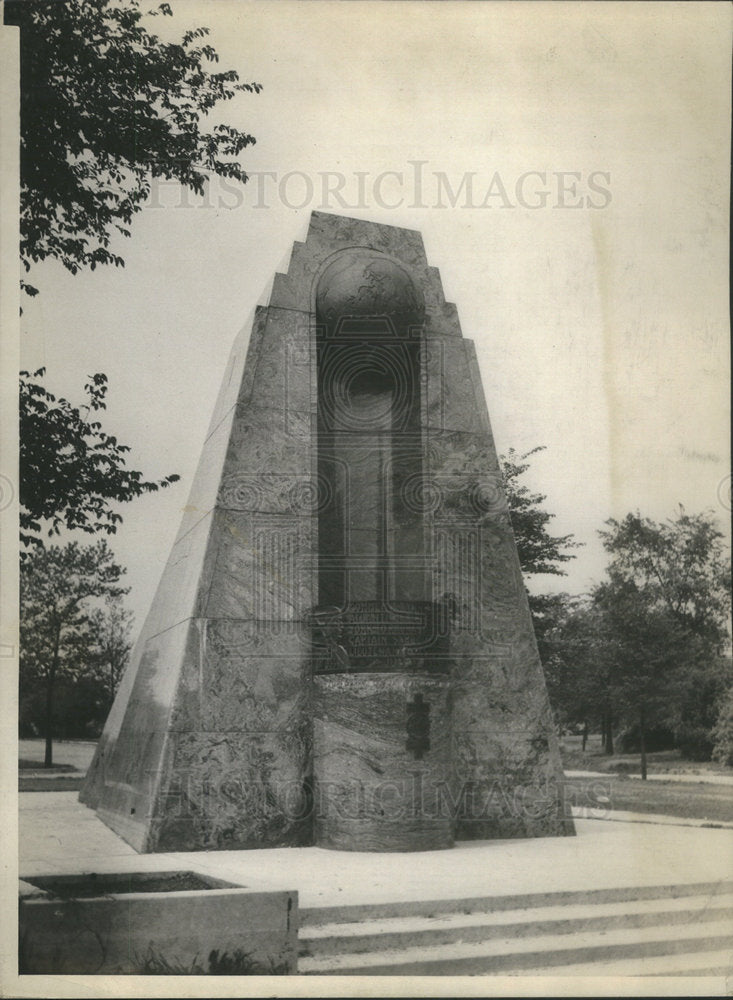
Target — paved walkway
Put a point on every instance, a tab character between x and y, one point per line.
58	834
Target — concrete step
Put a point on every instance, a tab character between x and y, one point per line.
345	913
512	954
705	963
404	932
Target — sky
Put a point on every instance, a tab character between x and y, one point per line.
568	167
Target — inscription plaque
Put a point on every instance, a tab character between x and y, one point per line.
369	635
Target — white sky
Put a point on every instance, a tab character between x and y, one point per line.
601	333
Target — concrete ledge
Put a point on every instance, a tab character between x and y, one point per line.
113	924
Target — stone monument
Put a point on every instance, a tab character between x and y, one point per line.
340	650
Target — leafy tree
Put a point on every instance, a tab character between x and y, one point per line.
540	552
70	469
577	667
84	691
550	613
647	646
645	650
110	628
701	692
105	104
664	614
680	565
58	588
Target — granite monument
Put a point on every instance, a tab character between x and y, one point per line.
340	651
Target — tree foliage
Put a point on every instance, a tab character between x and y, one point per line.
644	651
723	732
85	689
678	565
539	551
666	613
569	646
110	629
647	648
60	587
697	708
71	470
105	104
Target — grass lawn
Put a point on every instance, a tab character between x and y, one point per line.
67	754
691	800
593	758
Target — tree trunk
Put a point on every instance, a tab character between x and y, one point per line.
607	734
642	741
48	758
50	681
585	734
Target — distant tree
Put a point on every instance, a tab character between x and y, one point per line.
550	614
71	471
645	651
85	689
723	732
110	629
663	618
59	586
647	647
680	565
577	667
540	553
701	690
104	105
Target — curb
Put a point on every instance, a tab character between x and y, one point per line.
619	816
50	783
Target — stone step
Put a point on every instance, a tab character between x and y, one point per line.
705	963
405	932
345	913
512	954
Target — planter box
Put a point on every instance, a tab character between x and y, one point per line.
154	923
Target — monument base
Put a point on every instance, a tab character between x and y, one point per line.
381	759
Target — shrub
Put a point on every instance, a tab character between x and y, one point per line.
723	732
655	738
695	742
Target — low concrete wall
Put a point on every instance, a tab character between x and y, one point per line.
221	929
